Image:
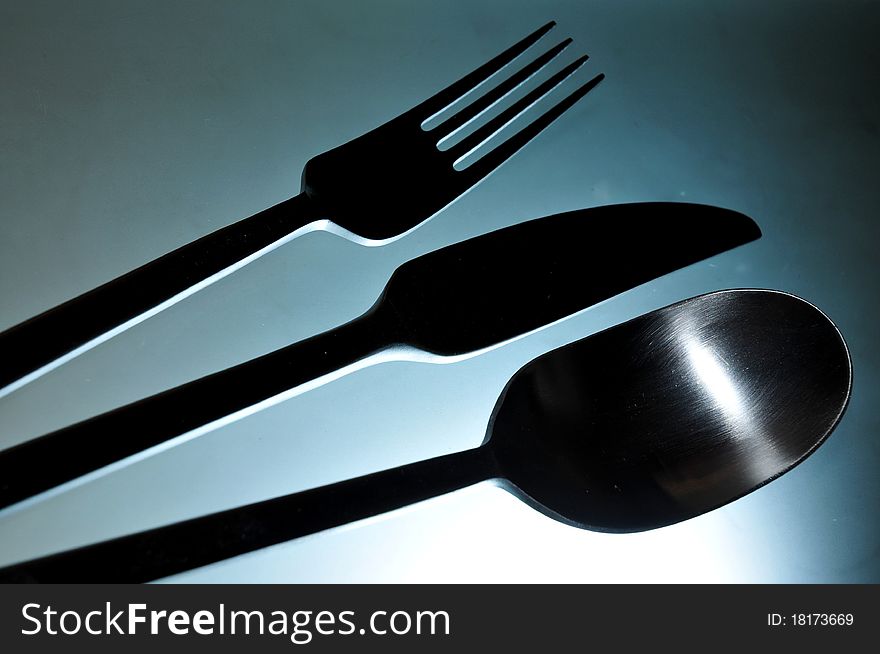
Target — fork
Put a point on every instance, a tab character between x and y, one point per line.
376	187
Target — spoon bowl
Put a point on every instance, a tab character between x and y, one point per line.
674	413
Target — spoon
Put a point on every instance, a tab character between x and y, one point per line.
451	302
646	424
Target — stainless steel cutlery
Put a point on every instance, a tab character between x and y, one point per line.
646	424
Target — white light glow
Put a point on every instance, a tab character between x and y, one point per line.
716	379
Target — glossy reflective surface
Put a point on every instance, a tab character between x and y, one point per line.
673	413
132	132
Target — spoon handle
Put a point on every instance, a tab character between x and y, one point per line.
35	346
63	455
182	546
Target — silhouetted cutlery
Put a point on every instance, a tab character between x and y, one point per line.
654	421
377	186
454	301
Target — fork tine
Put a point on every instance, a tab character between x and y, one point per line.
467	114
485	132
450	94
500	154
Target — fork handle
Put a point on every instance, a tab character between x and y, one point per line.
32	347
45	462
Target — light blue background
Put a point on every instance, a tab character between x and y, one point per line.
129	128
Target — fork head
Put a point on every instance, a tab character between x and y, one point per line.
391	179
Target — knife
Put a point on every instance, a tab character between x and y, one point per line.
455	301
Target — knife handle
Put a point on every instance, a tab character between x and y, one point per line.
45	462
39	344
